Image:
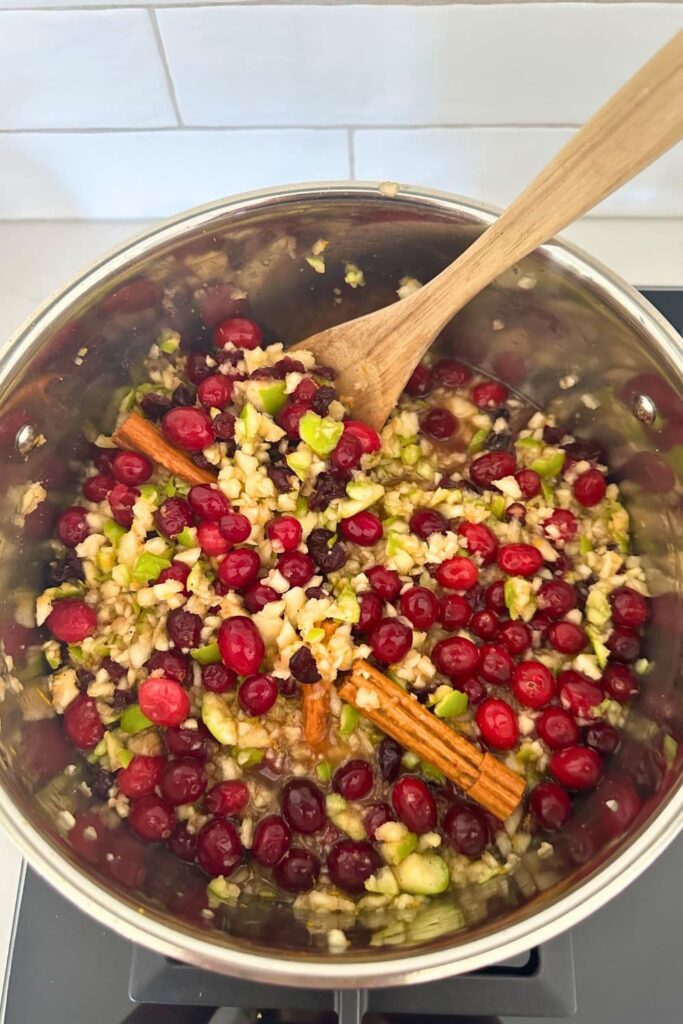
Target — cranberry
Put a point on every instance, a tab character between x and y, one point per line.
375	816
305	390
239	568
619	683
237	331
364	529
272	839
151	818
497	723
298	871
71	620
240	644
618	803
450	374
420	606
529	483
489	394
494	596
384	582
176	571
370	612
519	559
197	367
624	645
390	640
163	701
456	656
533	684
215	391
224	426
550	805
226	798
172	664
208	503
296	568
556	598
457	573
590	488
350	863
480	540
286	532
172	517
188	428
183	844
580	842
72	526
235	527
414	804
629	608
211	540
473	687
578	694
185	742
561	526
257	694
567	637
96	488
557	728
516	636
576	767
303	666
602	736
466	829
217	678
420	382
484	624
131	468
257	596
492	466
288	418
439	424
348	453
454	612
82	722
183	781
426	521
495	664
184	628
369	439
353	780
121	500
131	297
389	756
303	806
219	849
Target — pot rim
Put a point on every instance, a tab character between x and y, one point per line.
386	969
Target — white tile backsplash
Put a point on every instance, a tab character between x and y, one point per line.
81	69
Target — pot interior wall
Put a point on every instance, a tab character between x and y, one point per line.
562	342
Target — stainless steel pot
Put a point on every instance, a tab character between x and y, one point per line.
563	330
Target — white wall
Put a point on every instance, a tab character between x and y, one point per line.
127	110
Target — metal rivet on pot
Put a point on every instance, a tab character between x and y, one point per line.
644	409
25	439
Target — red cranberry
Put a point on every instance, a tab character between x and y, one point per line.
629	608
390	640
450	374
466	829
519	559
375	816
456	656
184	628
516	636
176	571
602	736
240	644
217	678
414	804
227	798
561	526
353	780
350	863
580	842
185	742
215	391
239	568
384	582
498	724
389	756
219	849
296	568
237	331
121	500
96	488
183	781
208	503
369	439
172	664
489	394
590	488
529	483
439	424
172	517
426	521
348	453
473	687
272	839
288	418
420	382
557	728
454	612
211	540
305	390
420	606
364	529
624	645
82	722
303	806
151	818
188	428
457	573
197	368
298	871
183	844
576	767
285	531
484	624
515	511
619	683
550	805
257	694
567	637
257	596
495	664
556	598
235	527
618	803
494	596
578	694
224	426
131	297
492	466
72	526
71	620
481	541
533	684
370	612
131	468
164	701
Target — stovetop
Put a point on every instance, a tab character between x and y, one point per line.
623	962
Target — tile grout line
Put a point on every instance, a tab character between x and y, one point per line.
160	129
164	63
352	153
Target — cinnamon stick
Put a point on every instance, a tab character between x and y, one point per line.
482	777
315	703
138	433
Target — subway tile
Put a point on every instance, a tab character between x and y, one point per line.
81	69
494	164
154	174
396	65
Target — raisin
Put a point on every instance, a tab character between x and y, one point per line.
323	399
303	666
155	406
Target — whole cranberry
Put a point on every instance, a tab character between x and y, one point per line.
211	540
224	426
184	628
480	540
497	723
185	742
370	612
227	798
237	331
439	424
151	818
303	806
289	417
219	849
375	816
172	664
457	573
420	382
121	500
629	608
590	488
257	596
239	568
240	644
414	804
215	391
305	390
618	804
197	367
456	656
550	805
285	532
96	488
389	756
82	722
519	559
71	620
466	829
557	728
350	863
516	636
235	527
183	781
556	598
364	529
426	521
348	453
390	640
619	683
176	571
354	779
492	466
208	503
560	526
296	567
370	440
141	776
576	767
272	839
421	606
131	468
188	428
495	664
72	526
173	516
217	678
602	736
489	394
624	645
450	374
473	687
163	701
533	684
257	694
454	612
529	482
567	637
183	844
298	871
578	694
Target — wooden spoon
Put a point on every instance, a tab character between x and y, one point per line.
375	354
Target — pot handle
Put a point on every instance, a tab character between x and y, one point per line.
350	1005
